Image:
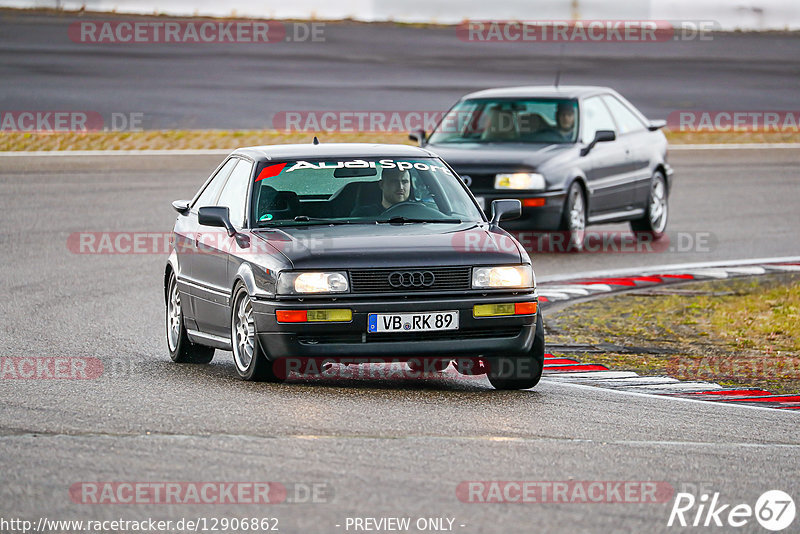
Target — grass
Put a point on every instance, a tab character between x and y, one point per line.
177	139
743	332
230	139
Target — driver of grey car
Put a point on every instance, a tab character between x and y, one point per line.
395	186
565	120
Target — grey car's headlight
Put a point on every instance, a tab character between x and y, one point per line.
312	282
520	180
510	276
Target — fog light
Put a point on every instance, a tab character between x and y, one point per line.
341	315
492	310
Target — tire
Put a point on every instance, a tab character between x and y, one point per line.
573	218
181	350
248	357
654	223
521	372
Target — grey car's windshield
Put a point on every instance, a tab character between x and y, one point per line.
359	191
529	120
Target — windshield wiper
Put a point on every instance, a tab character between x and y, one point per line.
302	219
400	220
306	218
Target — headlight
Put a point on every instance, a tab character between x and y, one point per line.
497	277
520	180
293	283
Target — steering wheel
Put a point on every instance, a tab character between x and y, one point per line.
401	204
412	210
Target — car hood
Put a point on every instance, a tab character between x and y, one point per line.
498	155
392	245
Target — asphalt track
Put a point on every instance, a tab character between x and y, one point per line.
362	67
386	447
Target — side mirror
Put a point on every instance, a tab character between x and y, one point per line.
181	206
506	209
216	216
601	136
656	125
418	136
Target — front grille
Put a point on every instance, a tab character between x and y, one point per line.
405	337
478	333
480	181
377	280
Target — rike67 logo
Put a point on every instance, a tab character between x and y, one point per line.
774	510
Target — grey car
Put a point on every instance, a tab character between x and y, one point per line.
574	156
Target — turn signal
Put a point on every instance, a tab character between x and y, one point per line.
533	202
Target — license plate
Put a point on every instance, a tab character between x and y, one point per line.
481	202
412	322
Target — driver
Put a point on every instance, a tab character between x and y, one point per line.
395	186
565	120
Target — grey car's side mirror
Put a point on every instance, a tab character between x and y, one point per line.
506	209
418	136
601	136
219	216
656	125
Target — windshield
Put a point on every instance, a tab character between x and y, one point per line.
529	120
365	191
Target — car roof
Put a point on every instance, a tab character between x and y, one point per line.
546	91
332	150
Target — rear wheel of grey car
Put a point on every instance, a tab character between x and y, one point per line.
521	372
654	223
250	361
573	220
181	349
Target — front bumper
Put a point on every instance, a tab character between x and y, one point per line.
483	336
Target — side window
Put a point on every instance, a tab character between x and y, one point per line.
208	195
234	194
595	117
627	121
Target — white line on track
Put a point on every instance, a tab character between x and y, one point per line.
668	398
735	146
85	153
662	269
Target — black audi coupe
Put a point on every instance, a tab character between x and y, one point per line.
349	252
